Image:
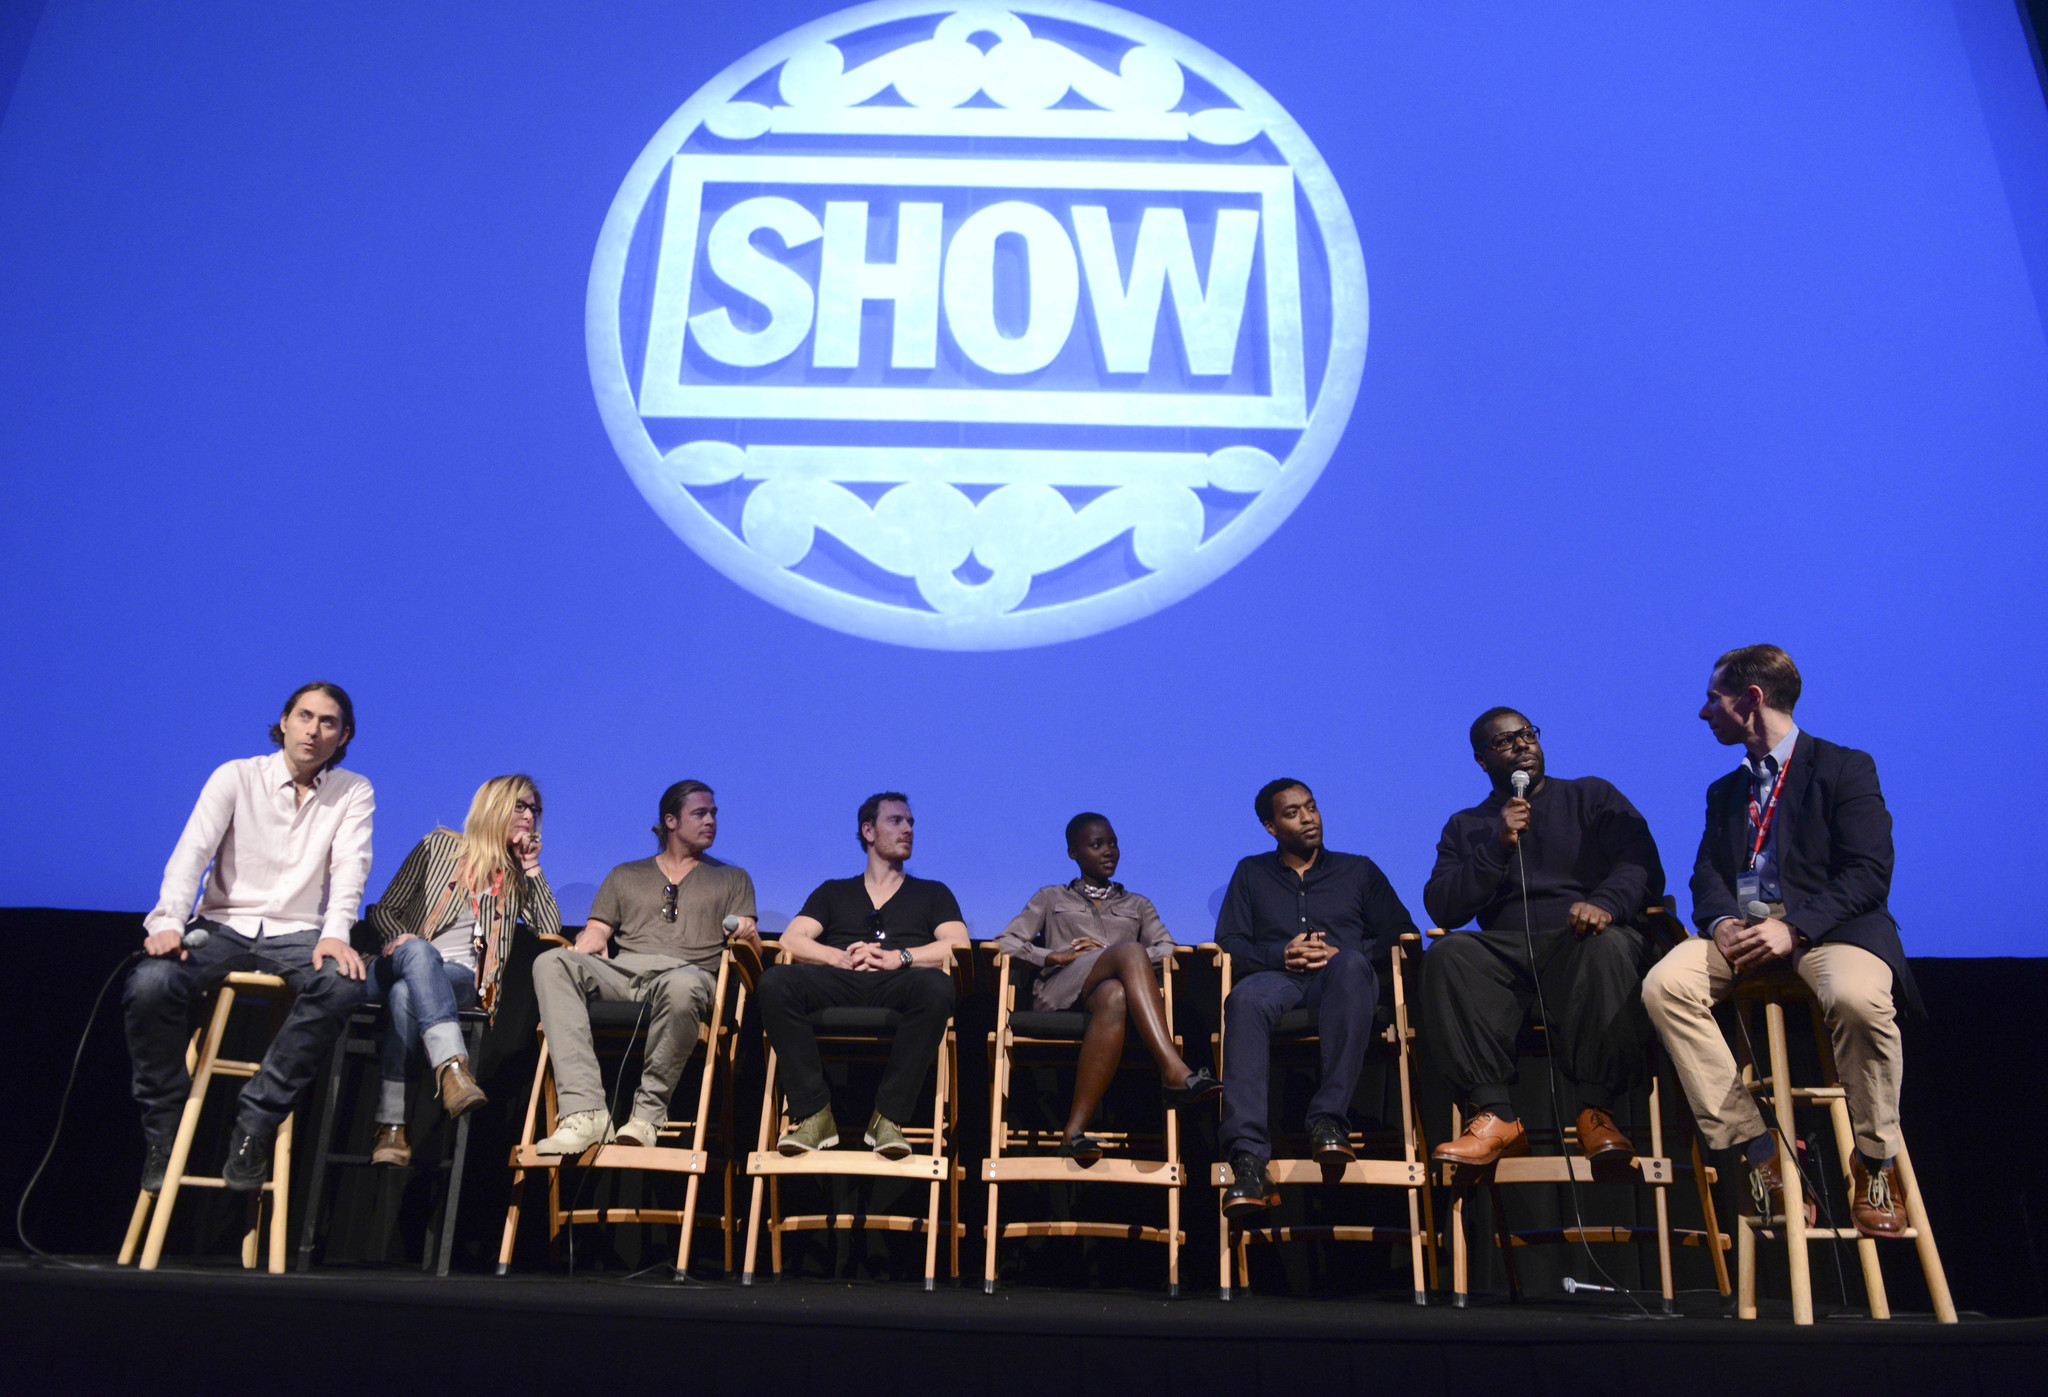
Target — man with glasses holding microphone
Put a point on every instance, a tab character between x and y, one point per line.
1554	874
662	919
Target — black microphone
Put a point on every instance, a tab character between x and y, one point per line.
1520	781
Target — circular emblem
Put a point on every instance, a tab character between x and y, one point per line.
975	327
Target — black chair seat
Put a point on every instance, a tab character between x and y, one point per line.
1049	1023
855	1018
615	1013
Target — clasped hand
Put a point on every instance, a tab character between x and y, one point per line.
872	955
1587	920
1747	947
1307	952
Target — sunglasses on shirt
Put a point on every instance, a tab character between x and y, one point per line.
668	902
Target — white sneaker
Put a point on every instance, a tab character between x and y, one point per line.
637	1132
577	1132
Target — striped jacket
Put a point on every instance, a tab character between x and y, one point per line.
427	881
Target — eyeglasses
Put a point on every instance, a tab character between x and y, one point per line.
1508	741
526	807
874	924
668	902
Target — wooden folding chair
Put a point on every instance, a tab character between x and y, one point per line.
843	1034
1654	1169
684	1145
1149	1159
204	1062
1395	1043
1773	991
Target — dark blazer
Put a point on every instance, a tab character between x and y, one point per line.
1834	855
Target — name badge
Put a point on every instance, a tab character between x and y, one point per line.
1748	888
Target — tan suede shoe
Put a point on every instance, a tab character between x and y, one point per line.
1613	1157
391	1147
1487	1140
1878	1209
459	1092
1766	1196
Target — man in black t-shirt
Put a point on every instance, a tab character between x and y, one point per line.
882	940
1567	869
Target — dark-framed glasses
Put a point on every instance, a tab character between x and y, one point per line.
526	807
668	902
1508	741
874	925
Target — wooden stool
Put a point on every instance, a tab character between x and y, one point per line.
1774	992
361	1039
203	1061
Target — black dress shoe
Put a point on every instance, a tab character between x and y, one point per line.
1201	1086
1085	1148
1329	1142
248	1162
1251	1192
156	1162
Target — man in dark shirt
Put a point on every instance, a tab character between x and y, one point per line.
1566	869
882	940
1305	927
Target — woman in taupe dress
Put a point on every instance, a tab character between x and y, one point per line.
1095	945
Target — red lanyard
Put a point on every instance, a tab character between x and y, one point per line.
1761	820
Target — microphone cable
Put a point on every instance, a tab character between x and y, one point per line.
57	1131
1550	1074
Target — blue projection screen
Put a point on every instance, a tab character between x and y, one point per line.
1034	410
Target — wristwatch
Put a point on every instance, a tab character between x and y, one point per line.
905	953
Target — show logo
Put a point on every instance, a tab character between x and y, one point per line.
975	327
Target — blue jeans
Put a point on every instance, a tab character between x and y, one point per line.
422	993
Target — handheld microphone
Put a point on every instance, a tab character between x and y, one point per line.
1520	781
1757	912
195	937
731	923
1572	1287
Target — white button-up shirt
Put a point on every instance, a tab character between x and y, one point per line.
278	866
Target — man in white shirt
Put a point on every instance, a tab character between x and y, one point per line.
288	839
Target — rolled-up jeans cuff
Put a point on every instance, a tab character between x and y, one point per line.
442	1041
390	1102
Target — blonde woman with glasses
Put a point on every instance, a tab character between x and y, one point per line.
446	923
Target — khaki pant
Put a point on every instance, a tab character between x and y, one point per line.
1854	988
677	995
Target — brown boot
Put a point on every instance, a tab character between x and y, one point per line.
391	1147
1487	1140
1878	1209
459	1092
1612	1156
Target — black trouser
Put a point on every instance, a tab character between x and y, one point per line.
162	992
789	994
1477	993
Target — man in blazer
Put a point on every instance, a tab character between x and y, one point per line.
1794	868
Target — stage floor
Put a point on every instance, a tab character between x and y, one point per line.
363	1331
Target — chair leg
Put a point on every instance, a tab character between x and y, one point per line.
775	1227
1795	1194
689	1228
1866	1247
1172	1239
135	1224
1930	1256
1415	1246
452	1204
1711	1217
188	1126
1460	1259
323	1146
753	1232
511	1222
994	1230
1223	1290
1745	1269
281	1193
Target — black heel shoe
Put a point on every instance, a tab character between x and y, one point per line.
1084	1148
1201	1086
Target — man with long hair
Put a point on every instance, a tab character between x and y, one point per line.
662	919
287	837
446	924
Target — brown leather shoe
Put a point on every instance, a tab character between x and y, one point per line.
1878	1208
1609	1151
1487	1140
1766	1197
459	1092
391	1147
